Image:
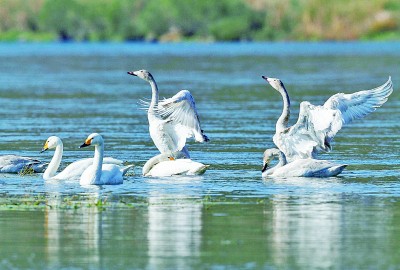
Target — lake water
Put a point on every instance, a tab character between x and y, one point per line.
228	218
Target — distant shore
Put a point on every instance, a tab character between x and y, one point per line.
205	21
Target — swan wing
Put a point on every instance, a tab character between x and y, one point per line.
76	168
309	168
317	125
359	104
181	113
111	174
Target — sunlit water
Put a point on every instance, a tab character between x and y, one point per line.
229	217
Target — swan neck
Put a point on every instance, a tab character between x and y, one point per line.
54	163
98	161
154	95
282	160
282	122
151	163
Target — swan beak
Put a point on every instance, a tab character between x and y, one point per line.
265	78
265	167
45	148
171	158
86	143
131	73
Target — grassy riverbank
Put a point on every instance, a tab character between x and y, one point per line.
208	20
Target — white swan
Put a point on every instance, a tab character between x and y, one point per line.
172	120
73	170
299	168
175	164
99	173
317	125
15	164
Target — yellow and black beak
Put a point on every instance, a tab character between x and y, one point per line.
86	143
45	148
171	158
265	167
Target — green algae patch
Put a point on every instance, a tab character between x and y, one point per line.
42	202
26	171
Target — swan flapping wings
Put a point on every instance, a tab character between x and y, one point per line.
172	120
317	125
180	111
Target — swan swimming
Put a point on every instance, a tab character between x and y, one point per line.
172	120
317	125
307	167
99	173
175	164
73	170
16	164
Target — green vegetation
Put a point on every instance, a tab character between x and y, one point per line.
175	20
27	170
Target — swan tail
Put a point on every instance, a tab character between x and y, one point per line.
335	170
199	171
125	169
327	172
39	167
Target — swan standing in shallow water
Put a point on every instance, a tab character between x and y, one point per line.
317	125
73	170
15	164
99	173
175	164
307	167
172	120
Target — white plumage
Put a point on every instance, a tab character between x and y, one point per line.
317	125
73	170
169	165
99	173
15	164
307	167
172	120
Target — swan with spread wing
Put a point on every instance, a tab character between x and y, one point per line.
171	120
317	125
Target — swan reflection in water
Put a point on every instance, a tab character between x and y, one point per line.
174	224
82	227
162	235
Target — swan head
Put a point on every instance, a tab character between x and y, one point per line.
274	82
93	139
143	74
51	142
269	155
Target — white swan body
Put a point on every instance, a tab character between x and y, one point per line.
15	164
172	120
73	170
99	173
317	125
298	168
166	165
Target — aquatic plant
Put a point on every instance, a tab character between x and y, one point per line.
27	170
